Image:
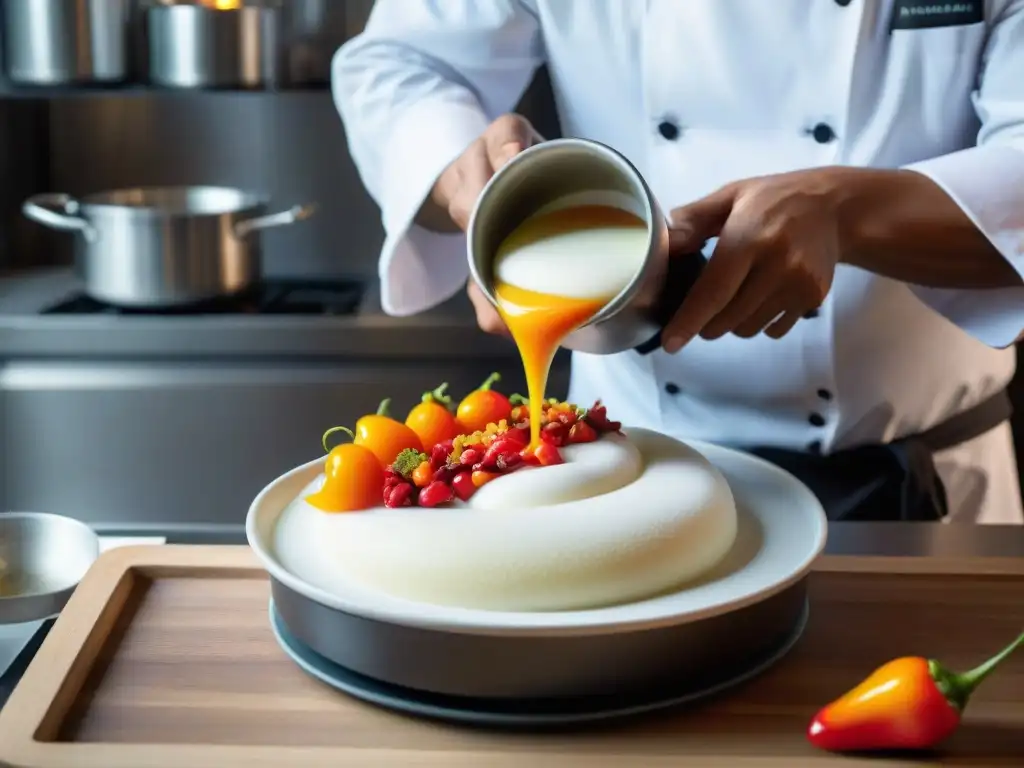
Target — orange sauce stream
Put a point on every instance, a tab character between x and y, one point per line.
540	322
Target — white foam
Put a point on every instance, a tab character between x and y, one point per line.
593	263
660	515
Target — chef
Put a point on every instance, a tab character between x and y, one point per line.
855	168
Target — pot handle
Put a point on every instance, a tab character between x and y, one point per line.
683	271
58	211
292	215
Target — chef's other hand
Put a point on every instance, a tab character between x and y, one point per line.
457	189
778	246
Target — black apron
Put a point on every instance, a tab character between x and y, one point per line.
893	482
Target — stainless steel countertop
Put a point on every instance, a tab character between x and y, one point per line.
445	332
868	539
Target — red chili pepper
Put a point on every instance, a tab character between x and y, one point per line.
909	703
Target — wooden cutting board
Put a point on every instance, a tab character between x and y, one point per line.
164	658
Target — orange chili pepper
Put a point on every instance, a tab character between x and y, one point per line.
384	436
353	479
483	406
432	419
909	703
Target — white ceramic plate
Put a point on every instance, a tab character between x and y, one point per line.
783	525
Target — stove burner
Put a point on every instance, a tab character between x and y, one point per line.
271	297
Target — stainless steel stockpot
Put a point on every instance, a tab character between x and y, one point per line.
196	46
165	246
65	42
578	171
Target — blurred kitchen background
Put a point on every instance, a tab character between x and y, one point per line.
144	419
148	418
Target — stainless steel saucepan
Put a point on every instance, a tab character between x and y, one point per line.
165	246
568	172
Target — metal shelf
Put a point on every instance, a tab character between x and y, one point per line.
9	91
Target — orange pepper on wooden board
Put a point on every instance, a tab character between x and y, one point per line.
432	419
383	435
483	406
353	479
909	703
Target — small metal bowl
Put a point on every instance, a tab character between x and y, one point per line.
45	556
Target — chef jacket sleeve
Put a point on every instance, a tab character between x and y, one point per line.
422	81
987	182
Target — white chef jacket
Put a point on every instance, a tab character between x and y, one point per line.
699	93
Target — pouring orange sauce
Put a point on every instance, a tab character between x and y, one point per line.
554	273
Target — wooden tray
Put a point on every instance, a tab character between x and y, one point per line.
164	658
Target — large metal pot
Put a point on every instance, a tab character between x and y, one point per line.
164	246
60	42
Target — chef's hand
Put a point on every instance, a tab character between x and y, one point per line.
456	191
778	246
487	316
461	183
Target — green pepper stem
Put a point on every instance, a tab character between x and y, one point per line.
438	396
384	408
975	676
959	687
333	430
517	399
490	381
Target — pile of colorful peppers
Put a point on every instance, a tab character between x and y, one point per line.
910	703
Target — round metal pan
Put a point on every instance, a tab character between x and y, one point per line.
490	666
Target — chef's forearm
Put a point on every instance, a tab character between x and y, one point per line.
902	225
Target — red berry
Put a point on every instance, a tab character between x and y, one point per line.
547	455
520	433
399	495
439	454
462	485
444	474
597	417
435	493
508	461
469	457
554	433
500	447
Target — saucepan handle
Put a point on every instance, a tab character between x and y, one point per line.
292	215
58	211
682	273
